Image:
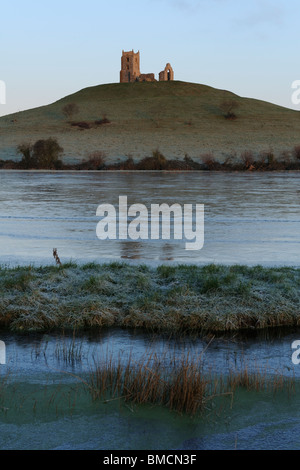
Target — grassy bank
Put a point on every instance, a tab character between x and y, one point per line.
166	298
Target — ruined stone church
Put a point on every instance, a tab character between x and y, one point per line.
130	70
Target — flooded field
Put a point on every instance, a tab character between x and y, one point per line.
250	218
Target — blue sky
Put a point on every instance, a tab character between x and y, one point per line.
49	49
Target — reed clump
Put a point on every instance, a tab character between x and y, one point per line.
69	352
259	379
181	384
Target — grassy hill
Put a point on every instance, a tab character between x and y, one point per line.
176	117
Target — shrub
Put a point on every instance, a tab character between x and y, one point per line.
45	153
157	162
271	158
189	162
296	152
102	121
209	161
42	155
81	124
159	159
128	164
96	160
261	161
268	158
247	159
286	160
70	109
25	150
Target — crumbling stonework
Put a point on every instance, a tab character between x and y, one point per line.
130	70
147	77
167	74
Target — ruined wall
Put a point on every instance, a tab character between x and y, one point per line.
167	74
130	70
147	77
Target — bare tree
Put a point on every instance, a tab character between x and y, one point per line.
70	109
228	107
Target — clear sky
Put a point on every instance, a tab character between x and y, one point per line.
49	49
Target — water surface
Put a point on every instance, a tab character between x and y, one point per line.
250	218
45	406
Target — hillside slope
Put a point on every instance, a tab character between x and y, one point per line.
176	117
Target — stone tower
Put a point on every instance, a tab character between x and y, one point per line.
130	66
167	74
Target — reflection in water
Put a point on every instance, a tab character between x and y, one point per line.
249	218
167	252
131	250
135	250
32	354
